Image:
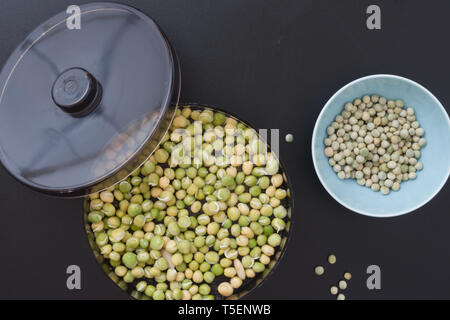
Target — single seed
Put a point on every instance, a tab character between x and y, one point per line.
319	270
348	276
341	297
289	138
332	259
334	290
342	285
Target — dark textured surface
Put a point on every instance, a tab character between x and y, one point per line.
275	64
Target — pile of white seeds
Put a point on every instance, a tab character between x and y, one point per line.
377	142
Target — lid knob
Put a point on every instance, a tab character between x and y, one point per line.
76	92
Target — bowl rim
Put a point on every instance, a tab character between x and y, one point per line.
315	133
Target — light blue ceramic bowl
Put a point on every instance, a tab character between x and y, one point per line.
435	156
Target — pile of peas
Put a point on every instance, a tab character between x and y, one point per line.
185	226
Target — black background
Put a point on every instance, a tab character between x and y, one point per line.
275	64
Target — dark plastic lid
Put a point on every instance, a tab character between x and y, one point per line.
81	109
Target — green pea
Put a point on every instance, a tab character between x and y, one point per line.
95	216
128	278
227	224
162	264
264	183
102	239
199	241
136	181
217	270
252	243
268	230
194	265
210	179
197	296
189	200
137	199
161	156
223	194
204	289
157	242
243	221
194	222
199	257
144	243
186	284
233	213
173	228
158	295
278	224
274	240
280	212
250	181
208	277
264	221
255	191
134	209
200	230
256	228
259	172
125	187
219	119
258	267
129	259
132	243
208	190
139	221
245	198
240	178
227	181
184	246
149	290
149	167
109	209
191	172
261	240
222	234
240	189
205	266
184	222
189	235
147	205
254	215
210	240
212	257
235	230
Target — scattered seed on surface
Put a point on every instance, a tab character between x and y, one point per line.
332	259
319	270
342	285
289	138
348	276
341	297
334	290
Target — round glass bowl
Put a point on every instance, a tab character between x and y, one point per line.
114	229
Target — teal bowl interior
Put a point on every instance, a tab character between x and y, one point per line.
435	155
